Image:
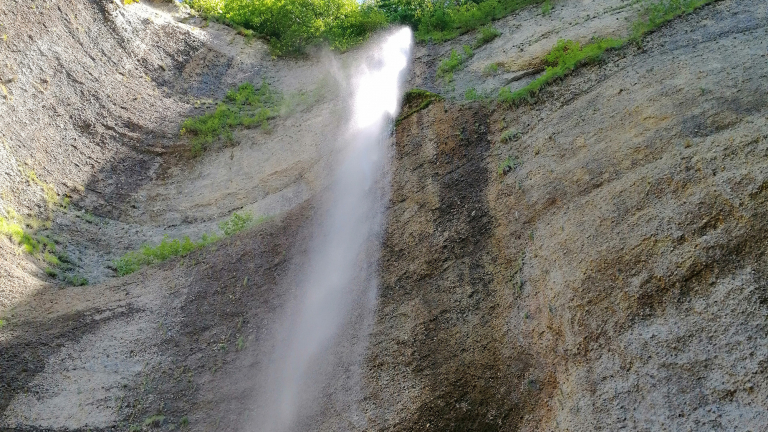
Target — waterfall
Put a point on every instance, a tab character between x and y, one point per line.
341	272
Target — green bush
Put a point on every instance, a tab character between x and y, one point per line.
454	62
546	7
170	248
134	260
659	13
244	106
237	223
76	280
487	34
509	164
291	26
416	100
564	58
510	135
443	21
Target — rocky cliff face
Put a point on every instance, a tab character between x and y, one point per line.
595	260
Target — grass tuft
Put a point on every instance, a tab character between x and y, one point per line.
170	248
509	164
487	34
564	58
243	106
442	21
567	55
239	222
546	7
657	14
454	62
416	100
510	135
155	420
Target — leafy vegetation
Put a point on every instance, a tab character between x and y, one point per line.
154	420
134	260
487	34
291	26
416	100
510	135
439	21
22	232
656	14
13	227
239	222
244	106
170	248
546	7
509	164
491	69
563	59
567	55
454	62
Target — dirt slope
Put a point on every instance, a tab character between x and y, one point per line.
614	277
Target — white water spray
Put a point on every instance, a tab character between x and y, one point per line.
342	262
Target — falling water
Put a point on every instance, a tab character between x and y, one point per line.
340	275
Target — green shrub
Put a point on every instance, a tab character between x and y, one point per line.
14	227
443	21
509	164
656	14
546	7
472	94
564	58
170	248
76	280
416	100
244	106
132	261
487	34
454	62
236	223
510	135
167	248
491	69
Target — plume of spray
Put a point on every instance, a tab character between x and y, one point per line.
341	270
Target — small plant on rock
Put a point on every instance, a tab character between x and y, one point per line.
546	7
236	223
245	106
454	62
487	34
510	135
509	164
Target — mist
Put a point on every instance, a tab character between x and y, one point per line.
338	286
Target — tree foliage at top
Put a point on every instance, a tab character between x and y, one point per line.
293	25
